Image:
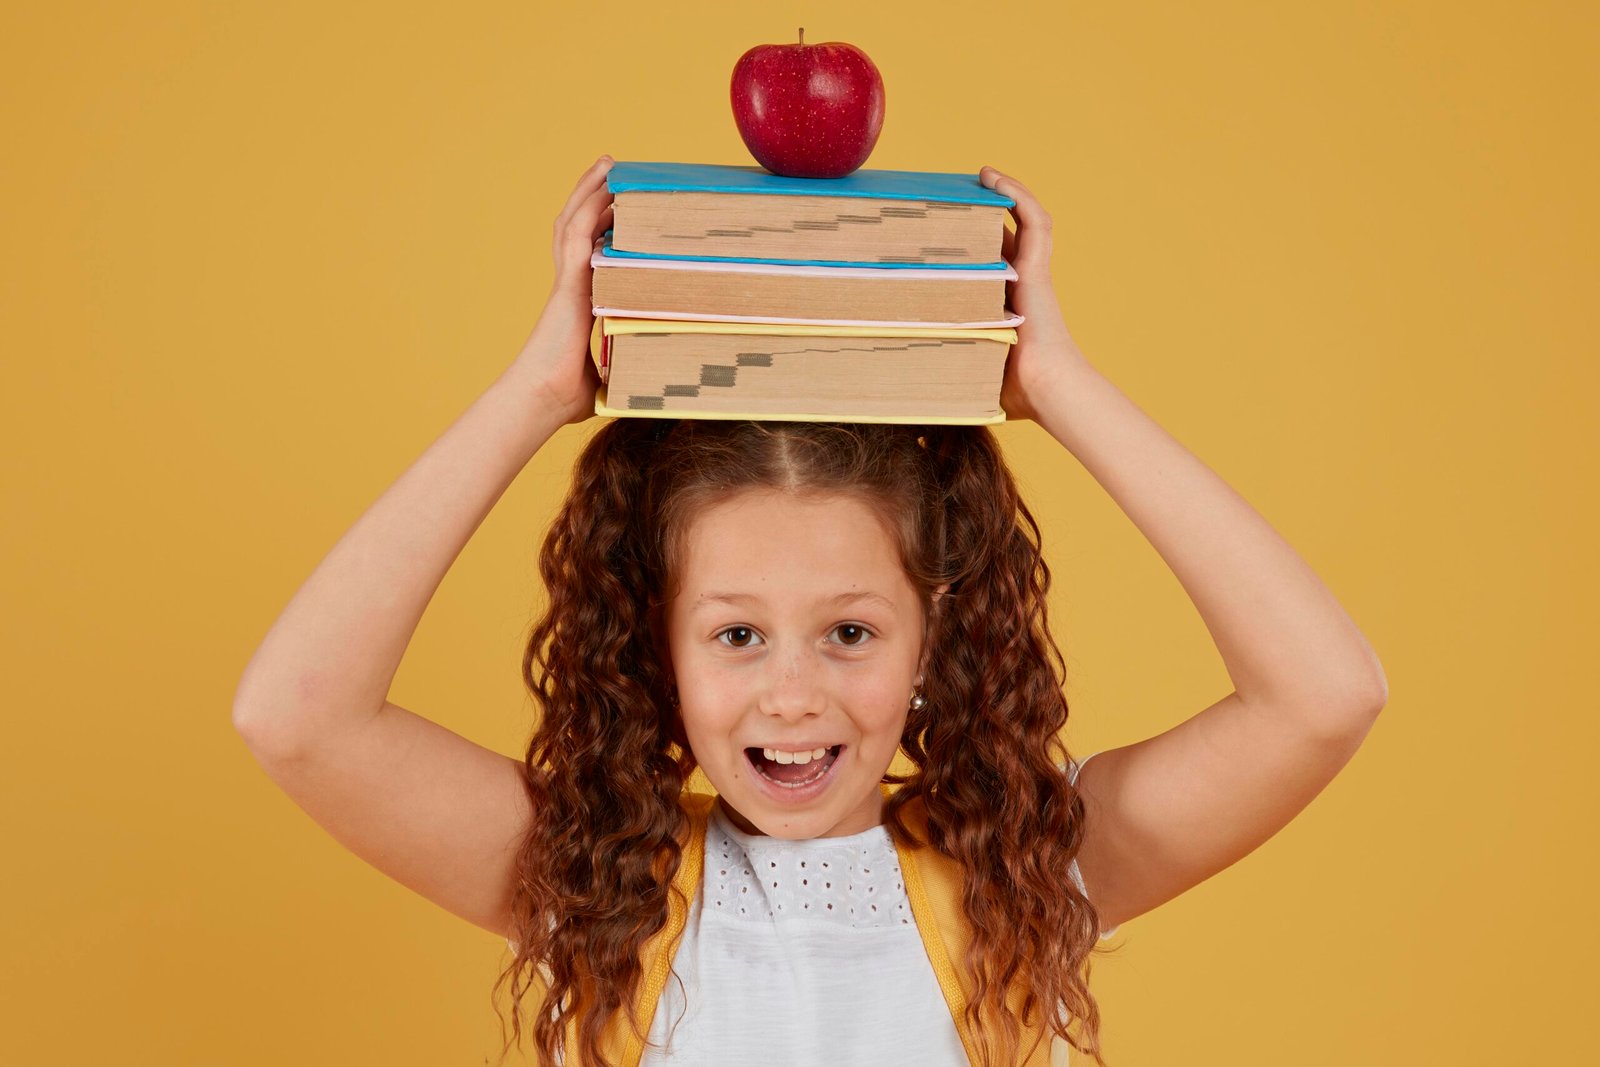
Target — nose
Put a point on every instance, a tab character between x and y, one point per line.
793	688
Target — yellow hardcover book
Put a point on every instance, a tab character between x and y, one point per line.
659	368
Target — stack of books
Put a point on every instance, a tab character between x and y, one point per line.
730	292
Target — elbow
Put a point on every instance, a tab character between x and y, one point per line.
1368	699
258	722
1360	682
1363	712
243	723
1339	709
265	734
247	711
1377	689
264	705
246	723
1366	693
1381	694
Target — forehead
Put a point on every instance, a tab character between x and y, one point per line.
769	538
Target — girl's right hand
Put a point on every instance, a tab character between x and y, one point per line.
555	358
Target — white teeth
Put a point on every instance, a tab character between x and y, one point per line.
777	756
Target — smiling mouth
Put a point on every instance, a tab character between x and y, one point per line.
792	775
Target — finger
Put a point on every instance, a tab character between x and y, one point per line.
592	178
987	177
1034	225
603	203
584	223
1027	210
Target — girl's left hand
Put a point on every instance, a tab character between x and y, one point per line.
1044	348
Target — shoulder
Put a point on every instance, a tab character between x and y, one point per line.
1072	766
697	806
696	803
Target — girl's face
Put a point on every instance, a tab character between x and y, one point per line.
794	628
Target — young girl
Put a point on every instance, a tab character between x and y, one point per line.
786	606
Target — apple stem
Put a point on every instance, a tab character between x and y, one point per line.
802	35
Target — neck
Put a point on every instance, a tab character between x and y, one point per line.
745	826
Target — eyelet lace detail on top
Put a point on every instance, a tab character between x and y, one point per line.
848	881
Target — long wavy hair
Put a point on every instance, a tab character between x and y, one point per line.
609	759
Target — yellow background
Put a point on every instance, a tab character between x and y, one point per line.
258	256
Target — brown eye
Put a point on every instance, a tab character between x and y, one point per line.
740	636
851	634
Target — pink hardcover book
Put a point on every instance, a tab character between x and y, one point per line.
599	260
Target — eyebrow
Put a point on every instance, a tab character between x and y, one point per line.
707	600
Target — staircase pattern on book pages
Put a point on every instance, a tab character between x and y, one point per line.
725	376
817	215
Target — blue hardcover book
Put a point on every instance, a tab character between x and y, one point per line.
629	176
875	218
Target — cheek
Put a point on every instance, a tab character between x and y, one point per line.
709	711
880	710
704	716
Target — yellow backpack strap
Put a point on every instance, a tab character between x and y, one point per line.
622	1046
933	885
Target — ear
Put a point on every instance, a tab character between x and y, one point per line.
922	665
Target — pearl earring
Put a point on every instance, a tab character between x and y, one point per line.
918	701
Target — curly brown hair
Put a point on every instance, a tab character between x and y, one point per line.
609	759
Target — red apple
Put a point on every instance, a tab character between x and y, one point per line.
808	110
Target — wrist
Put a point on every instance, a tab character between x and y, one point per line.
539	395
1043	381
1077	395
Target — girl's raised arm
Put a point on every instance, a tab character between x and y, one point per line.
1169	812
428	807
